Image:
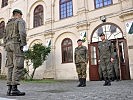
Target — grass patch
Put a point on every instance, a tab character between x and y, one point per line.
2	77
42	81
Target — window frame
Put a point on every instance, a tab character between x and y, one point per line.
67	47
65	2
102	3
36	21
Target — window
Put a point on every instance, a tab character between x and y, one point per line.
93	55
2	27
102	3
66	8
67	51
4	3
38	16
110	30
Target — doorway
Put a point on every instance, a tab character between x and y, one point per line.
115	35
122	55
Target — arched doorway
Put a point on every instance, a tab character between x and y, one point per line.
115	35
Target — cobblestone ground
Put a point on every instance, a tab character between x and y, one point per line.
67	90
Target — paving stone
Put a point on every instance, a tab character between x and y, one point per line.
67	90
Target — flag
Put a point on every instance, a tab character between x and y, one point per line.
49	44
84	37
131	29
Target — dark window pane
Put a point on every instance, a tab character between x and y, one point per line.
64	51
100	31
2	27
67	51
112	29
38	16
4	3
70	58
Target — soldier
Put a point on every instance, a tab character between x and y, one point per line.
105	58
14	41
81	60
116	65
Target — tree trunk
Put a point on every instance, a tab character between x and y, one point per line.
32	75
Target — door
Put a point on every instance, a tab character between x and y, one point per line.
122	53
123	59
93	61
0	62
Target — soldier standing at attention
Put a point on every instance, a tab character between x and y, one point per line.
81	60
116	65
105	58
14	41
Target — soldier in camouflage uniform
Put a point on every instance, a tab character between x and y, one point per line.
116	65
14	41
81	60
105	58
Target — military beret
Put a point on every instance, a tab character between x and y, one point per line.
102	34
79	40
18	11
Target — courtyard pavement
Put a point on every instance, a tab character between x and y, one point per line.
67	90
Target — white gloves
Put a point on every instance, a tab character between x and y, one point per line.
25	48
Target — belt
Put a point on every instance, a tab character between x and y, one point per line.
13	39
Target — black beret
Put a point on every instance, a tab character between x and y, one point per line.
79	40
18	11
102	34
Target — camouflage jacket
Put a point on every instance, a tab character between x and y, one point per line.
105	49
15	31
80	54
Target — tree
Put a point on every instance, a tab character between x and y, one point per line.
37	55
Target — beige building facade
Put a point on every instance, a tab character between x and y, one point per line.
63	22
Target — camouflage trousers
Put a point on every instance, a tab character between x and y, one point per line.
100	72
14	63
81	70
115	69
106	65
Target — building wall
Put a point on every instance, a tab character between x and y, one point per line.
85	18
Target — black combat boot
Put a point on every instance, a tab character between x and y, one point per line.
9	90
80	82
106	82
118	78
112	78
16	92
109	82
84	82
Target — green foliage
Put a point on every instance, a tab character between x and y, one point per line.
37	55
3	77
